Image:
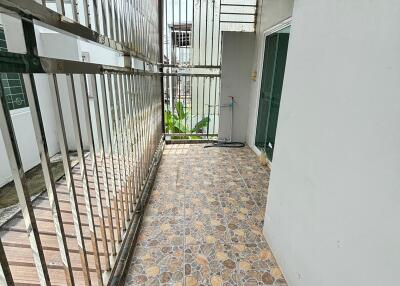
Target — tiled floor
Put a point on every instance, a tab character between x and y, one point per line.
203	224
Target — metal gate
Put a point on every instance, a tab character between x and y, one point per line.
192	62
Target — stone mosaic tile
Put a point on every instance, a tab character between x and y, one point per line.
164	231
231	184
210	264
203	224
245	207
256	264
202	229
244	231
260	197
167	207
202	205
156	266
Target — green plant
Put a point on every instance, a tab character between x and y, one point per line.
177	122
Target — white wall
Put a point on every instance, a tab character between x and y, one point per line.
25	135
270	13
54	45
21	118
334	202
236	67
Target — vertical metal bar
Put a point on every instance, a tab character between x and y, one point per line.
128	112
116	20
209	106
59	120
103	162
148	114
129	24
83	173
211	63
123	18
110	150
144	120
120	19
206	38
96	16
200	4
41	141
92	150
86	11
140	125
192	63
145	127
191	102
5	272
204	92
126	143
173	62
197	100
219	35
149	29
116	132
218	62
139	22
215	103
75	10
212	31
164	87
60	7
134	24
14	160
123	21
186	58
125	111
146	28
179	33
132	138
104	16
111	18
137	131
179	78
117	106
142	27
136	134
199	63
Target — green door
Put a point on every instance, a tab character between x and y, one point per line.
270	93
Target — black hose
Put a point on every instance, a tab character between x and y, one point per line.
226	144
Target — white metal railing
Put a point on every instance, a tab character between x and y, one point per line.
116	109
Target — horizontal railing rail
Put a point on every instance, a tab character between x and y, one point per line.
122	23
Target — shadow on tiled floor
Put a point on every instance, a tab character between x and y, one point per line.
203	224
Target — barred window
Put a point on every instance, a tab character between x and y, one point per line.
13	86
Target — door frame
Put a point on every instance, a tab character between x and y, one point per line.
281	25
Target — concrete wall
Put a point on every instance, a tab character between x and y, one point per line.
334	202
237	61
271	13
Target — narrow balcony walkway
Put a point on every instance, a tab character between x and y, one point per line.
203	223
